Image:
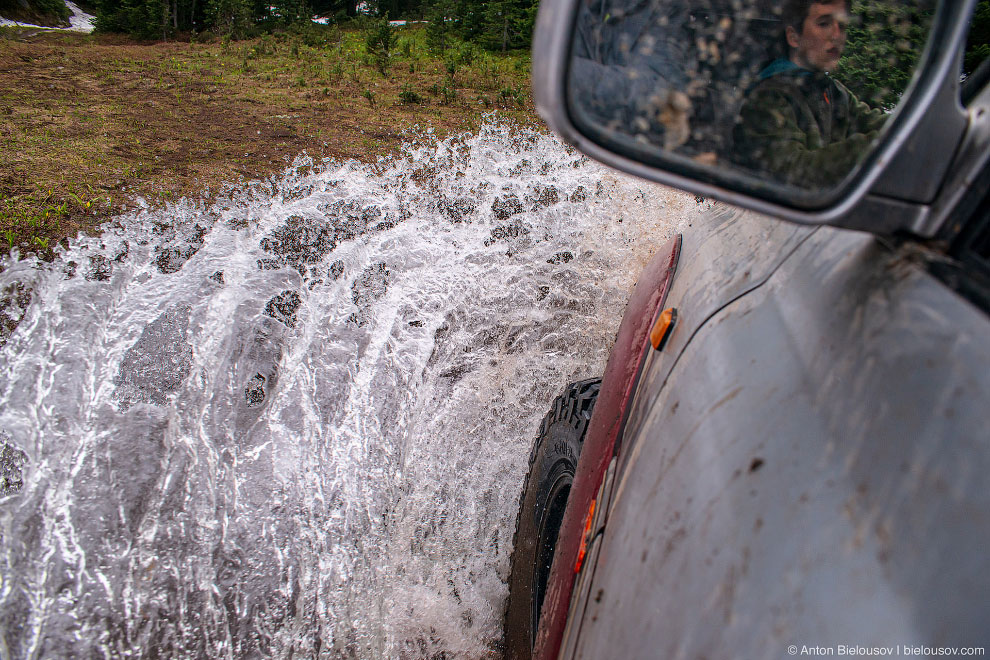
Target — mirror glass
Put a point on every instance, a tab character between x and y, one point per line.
785	94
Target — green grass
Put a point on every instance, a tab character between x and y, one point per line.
89	122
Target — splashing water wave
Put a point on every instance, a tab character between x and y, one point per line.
295	422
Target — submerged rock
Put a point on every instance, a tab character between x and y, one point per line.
254	391
170	258
457	209
158	363
370	287
543	197
14	302
100	268
283	307
504	207
560	258
12	461
258	358
505	232
299	243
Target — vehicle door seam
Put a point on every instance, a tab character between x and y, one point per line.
621	435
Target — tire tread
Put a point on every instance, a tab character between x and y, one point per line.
573	406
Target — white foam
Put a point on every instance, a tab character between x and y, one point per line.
366	505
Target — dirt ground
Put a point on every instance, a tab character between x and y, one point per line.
88	123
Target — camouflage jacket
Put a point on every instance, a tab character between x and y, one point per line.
803	127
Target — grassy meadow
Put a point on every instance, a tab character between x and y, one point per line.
88	123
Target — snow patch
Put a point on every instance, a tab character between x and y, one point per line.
80	21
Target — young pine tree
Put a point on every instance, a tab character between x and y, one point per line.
380	41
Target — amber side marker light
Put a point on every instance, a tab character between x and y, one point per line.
661	329
583	550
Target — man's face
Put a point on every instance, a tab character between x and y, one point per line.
822	38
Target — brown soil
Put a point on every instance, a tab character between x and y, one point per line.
90	122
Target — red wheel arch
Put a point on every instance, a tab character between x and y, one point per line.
604	431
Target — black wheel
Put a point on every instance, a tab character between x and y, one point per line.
552	464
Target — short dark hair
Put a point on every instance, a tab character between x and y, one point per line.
794	12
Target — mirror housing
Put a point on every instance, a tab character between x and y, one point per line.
897	187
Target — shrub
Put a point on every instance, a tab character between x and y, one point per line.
509	95
380	42
409	96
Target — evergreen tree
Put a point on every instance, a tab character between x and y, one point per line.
886	40
145	19
498	25
978	44
340	9
883	45
162	19
470	19
399	8
508	24
441	22
291	11
230	18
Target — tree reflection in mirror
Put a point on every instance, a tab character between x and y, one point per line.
790	92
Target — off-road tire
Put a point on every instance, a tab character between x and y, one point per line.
552	464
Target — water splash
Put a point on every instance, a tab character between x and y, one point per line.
294	423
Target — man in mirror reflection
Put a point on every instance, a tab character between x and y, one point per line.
798	124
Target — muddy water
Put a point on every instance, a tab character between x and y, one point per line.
294	422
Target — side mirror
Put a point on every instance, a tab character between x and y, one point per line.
828	117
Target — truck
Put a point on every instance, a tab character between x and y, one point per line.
787	452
